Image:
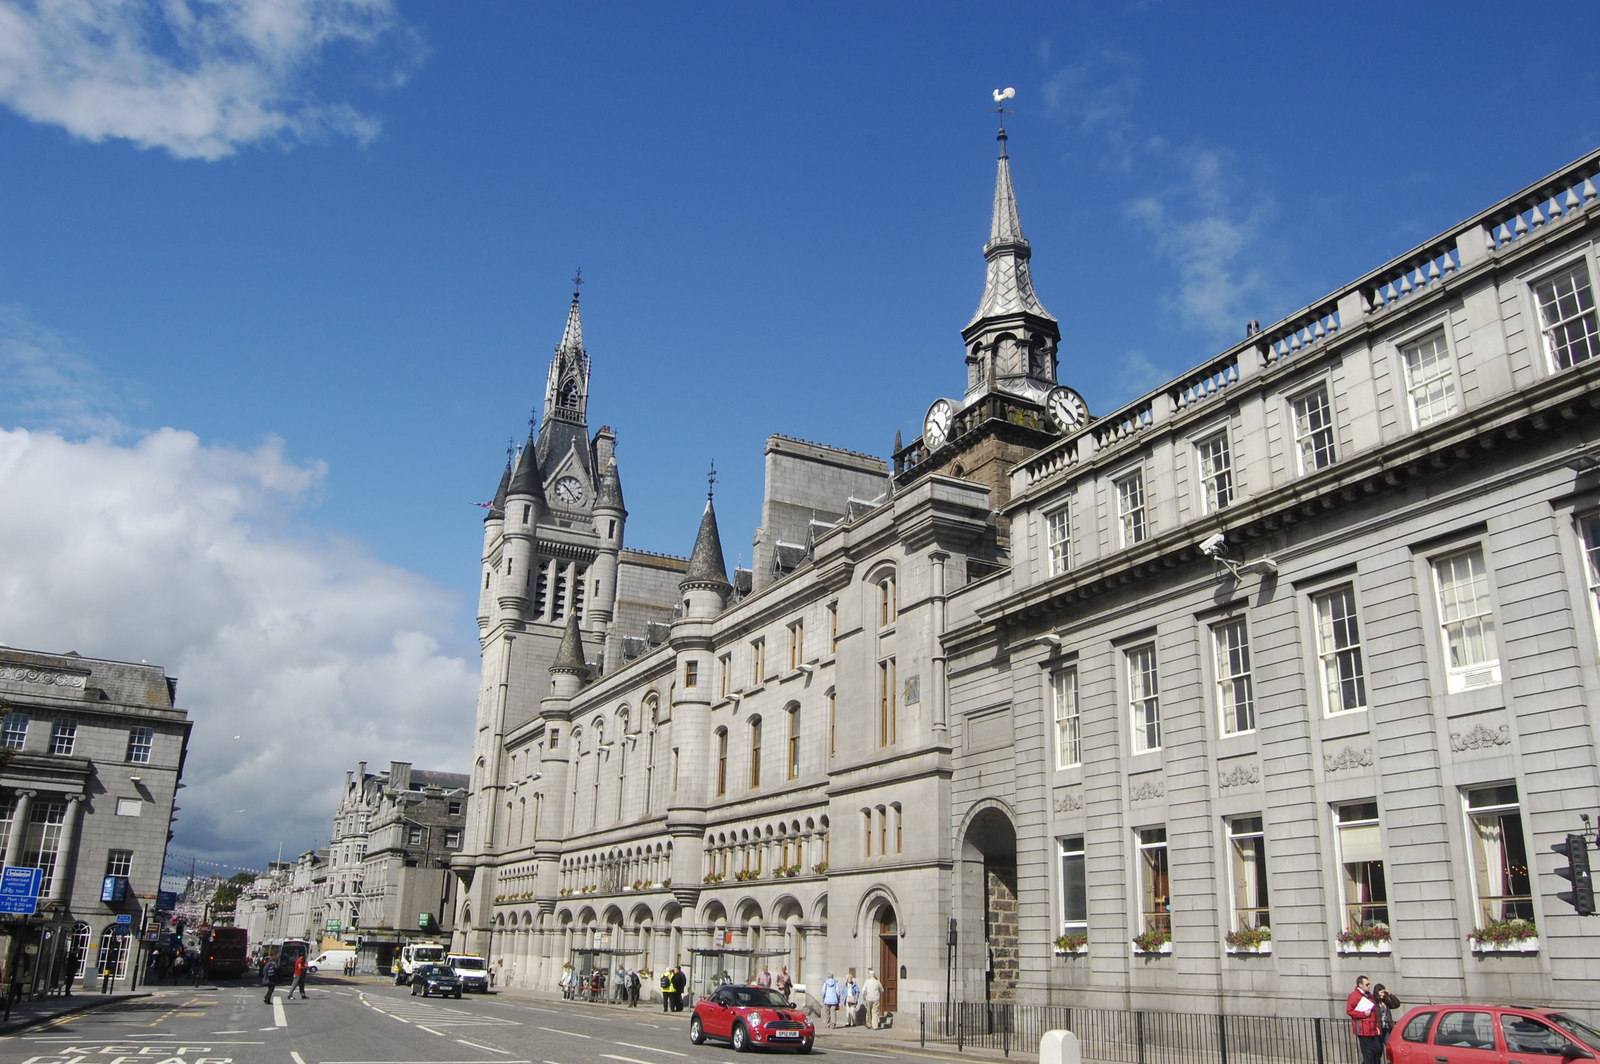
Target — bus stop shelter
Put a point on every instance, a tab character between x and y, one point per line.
595	968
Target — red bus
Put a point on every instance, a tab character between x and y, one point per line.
225	952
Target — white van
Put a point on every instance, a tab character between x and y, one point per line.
473	971
333	960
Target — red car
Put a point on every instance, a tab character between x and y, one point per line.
1490	1034
748	1016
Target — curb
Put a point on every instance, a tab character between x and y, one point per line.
59	1007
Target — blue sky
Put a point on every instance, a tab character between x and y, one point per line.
280	278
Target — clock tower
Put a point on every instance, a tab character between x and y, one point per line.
1012	405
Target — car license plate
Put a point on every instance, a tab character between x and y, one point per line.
786	1034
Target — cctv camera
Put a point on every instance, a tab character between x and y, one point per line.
1212	545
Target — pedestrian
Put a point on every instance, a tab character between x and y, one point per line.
783	982
269	978
1387	1005
852	999
666	990
872	995
619	985
765	978
1363	1013
830	1000
680	983
566	982
634	983
299	978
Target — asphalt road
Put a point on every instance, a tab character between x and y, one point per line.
373	1022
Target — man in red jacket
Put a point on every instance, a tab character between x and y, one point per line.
1363	1013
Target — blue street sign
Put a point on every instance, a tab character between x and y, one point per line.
124	918
166	900
19	889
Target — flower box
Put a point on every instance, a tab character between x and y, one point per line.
1378	948
1081	951
1246	949
1161	950
1520	945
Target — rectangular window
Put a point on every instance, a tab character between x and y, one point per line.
1364	892
42	844
725	674
758	661
755	753
1566	314
833	628
1247	848
1230	644
888	601
1313	430
866	832
1589	530
1155	887
15	733
1144	698
119	863
1500	869
794	743
140	740
414	836
1466	619
1430	379
1074	887
63	736
1216	472
1131	521
797	644
833	723
1064	688
887	724
8	817
691	674
1344	678
1058	540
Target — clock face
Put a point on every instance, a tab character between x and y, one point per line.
936	427
569	490
1067	409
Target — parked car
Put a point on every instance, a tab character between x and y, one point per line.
333	959
747	1016
1491	1034
435	979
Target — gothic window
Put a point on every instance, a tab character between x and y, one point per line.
569	393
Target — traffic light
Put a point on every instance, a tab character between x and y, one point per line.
1581	897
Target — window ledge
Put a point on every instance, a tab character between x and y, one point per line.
1380	949
1081	951
1521	945
1265	948
1160	951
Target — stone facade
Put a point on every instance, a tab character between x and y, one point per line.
91	758
1299	648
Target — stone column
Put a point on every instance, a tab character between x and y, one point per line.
66	847
19	825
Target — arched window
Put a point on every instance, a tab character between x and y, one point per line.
755	753
722	762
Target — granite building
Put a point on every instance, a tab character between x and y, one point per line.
1283	671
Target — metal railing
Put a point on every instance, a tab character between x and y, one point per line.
1129	1037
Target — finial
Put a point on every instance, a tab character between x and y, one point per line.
533	421
577	281
711	480
1000	97
511	450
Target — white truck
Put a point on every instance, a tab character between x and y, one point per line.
472	970
412	955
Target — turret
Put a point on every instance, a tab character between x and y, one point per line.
705	586
524	499
610	516
493	529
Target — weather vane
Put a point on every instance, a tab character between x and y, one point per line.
577	281
533	420
1000	98
511	450
711	480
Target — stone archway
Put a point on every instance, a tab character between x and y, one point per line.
989	901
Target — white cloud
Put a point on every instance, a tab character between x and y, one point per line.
199	78
47	383
199	559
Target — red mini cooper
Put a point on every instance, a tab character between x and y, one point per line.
748	1016
1490	1034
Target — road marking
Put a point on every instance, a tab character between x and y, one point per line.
653	1049
279	1019
630	1060
297	1058
858	1053
486	1049
570	1034
430	1030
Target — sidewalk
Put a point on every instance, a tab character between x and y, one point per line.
25	1014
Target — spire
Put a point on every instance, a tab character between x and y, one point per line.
572	335
706	568
526	479
566	396
569	655
498	507
1008	284
609	492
